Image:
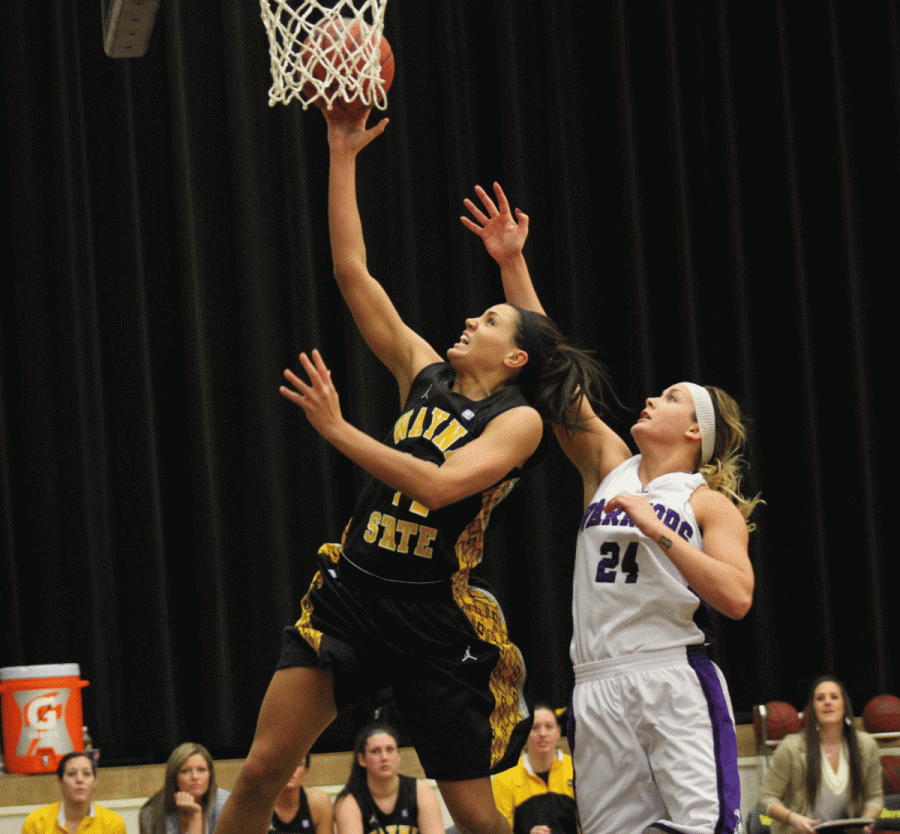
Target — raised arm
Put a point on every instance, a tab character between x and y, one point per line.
506	443
595	449
504	238
402	350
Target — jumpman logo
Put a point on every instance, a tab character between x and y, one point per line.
425	395
468	655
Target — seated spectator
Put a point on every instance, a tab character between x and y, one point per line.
302	810
75	814
189	801
827	771
377	797
537	795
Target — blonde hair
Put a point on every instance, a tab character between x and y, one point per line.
154	811
727	466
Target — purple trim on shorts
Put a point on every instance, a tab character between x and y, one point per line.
661	825
570	724
724	740
570	737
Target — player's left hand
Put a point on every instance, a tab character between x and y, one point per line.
318	399
639	510
503	235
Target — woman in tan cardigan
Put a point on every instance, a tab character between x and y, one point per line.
828	771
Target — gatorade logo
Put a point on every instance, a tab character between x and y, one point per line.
42	721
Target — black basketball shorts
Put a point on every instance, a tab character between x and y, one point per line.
442	647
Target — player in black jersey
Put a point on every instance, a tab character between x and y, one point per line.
392	604
301	810
377	798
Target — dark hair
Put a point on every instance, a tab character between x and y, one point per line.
546	705
814	748
154	811
76	754
356	781
557	374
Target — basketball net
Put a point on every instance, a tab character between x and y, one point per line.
309	35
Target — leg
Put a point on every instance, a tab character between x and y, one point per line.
298	706
614	788
693	751
471	804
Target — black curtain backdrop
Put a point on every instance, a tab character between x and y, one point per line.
712	187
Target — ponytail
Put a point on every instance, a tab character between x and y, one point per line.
558	374
726	468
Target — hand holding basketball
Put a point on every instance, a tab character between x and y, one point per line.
347	132
503	235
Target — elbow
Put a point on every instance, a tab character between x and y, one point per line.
440	492
738	607
347	269
739	611
343	271
439	498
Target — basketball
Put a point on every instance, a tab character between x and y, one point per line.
882	714
781	719
331	56
890	773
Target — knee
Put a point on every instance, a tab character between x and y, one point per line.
264	775
478	819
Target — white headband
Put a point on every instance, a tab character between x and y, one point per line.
706	419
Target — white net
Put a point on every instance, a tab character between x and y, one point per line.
321	53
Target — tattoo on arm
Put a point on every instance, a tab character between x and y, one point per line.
665	542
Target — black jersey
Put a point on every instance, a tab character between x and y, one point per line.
404	819
394	537
302	823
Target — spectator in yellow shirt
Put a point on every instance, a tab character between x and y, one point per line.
537	796
76	813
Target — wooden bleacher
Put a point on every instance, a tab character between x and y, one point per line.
124	789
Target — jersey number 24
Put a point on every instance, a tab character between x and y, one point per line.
610	565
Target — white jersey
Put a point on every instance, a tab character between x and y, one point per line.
628	596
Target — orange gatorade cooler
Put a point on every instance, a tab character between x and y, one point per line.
41	709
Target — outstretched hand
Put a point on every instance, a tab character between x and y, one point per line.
503	235
347	132
318	399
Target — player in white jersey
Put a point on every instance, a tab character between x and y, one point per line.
664	535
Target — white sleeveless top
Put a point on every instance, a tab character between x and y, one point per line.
628	596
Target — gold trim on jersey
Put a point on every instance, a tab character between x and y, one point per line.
508	676
483	612
303	625
470	544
